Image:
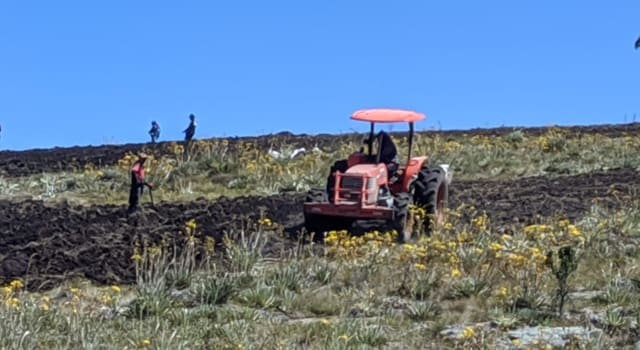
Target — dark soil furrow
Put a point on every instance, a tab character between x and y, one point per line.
46	243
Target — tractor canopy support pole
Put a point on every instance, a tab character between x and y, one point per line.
410	141
370	140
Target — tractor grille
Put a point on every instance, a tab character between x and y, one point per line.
352	187
352	182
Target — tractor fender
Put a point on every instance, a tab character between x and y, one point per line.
412	170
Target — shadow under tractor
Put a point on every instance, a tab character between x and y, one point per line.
368	190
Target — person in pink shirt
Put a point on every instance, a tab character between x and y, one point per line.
137	183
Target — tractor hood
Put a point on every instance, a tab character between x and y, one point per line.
369	170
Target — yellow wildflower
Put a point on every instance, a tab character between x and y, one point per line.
455	273
496	247
332	236
154	251
210	244
573	231
344	338
437	245
191	226
265	222
503	292
136	258
12	303
115	289
480	222
145	343
44	307
420	267
468	333
325	322
6	291
409	247
16	284
517	260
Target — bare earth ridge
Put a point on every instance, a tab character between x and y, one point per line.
46	243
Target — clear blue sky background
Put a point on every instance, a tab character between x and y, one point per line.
94	72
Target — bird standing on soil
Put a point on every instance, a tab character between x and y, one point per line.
190	131
137	183
154	132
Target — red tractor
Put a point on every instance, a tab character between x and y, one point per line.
373	186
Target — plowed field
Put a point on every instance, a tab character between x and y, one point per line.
46	243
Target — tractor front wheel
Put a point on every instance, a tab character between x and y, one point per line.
317	225
313	223
402	221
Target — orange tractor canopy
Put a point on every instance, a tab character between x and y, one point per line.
374	186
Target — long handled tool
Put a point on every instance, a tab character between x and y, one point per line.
151	195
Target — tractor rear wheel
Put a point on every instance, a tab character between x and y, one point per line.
340	166
432	193
402	220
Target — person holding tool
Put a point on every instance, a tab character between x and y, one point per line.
138	183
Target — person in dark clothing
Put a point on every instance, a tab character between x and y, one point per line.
137	183
154	132
388	152
190	131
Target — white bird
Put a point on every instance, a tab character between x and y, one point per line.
275	154
298	153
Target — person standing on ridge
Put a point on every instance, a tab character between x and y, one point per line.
137	183
154	132
190	131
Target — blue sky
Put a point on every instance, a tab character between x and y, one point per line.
89	72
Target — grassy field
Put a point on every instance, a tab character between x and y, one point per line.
353	292
212	168
464	287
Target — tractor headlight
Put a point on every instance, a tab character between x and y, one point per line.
372	191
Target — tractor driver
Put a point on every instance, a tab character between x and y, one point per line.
388	152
